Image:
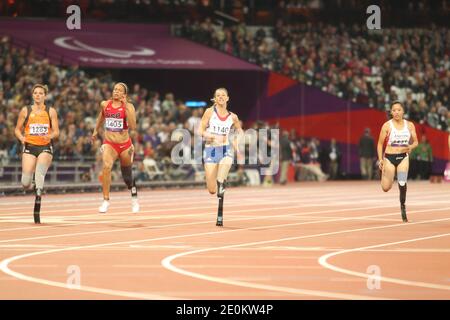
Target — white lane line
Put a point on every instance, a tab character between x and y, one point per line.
235	200
239	192
4	264
168	263
203	222
236	194
323	261
153	211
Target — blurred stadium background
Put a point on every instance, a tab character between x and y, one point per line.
310	68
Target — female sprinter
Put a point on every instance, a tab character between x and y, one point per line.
215	127
41	127
119	116
398	133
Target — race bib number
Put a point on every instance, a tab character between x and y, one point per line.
37	129
112	124
400	143
219	130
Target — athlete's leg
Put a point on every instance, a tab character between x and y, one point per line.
387	175
222	174
211	176
402	177
126	166
43	162
28	167
109	155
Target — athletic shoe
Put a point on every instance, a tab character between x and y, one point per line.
104	207
134	204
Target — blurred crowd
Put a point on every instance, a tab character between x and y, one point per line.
76	97
374	68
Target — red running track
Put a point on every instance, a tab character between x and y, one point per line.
334	240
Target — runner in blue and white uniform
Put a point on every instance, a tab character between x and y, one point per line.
216	125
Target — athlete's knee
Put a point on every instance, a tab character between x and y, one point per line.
402	177
386	188
211	188
26	179
107	166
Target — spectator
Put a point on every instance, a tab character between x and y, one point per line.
141	175
433	118
285	156
422	158
334	154
366	154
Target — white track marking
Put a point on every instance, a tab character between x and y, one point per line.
168	263
241	192
207	221
143	211
199	196
4	265
323	261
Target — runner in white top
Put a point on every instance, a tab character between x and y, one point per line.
216	125
398	132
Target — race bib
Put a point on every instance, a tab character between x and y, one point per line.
112	124
38	129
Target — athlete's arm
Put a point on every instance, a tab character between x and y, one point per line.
239	133
381	139
55	124
204	124
131	119
415	142
99	122
19	125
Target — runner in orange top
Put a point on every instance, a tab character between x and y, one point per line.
41	127
118	117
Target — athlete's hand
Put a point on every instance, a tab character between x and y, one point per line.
380	164
407	149
94	137
210	138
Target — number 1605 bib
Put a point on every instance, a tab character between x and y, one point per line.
112	124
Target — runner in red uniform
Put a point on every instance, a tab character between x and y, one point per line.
118	117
